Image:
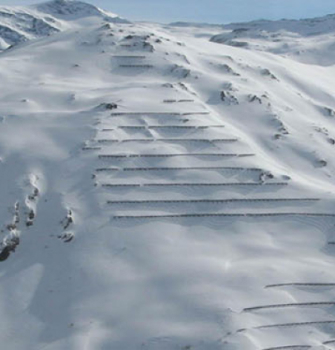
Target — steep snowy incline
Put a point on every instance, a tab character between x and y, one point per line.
161	191
72	10
20	24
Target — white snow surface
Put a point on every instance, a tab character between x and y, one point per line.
19	24
309	40
197	215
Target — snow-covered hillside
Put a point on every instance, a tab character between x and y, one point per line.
162	191
19	24
309	41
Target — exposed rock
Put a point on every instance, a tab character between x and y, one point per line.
329	112
267	73
66	237
8	246
322	163
254	98
228	69
228	98
108	106
265	176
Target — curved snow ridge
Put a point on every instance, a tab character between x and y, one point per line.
71	10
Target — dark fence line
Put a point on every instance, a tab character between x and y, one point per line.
109	141
118	156
197	184
143	114
328	342
136	66
176	101
279	306
167	140
301	284
295	324
215	215
288	347
181	169
195	113
139	127
91	148
136	114
233	200
129	56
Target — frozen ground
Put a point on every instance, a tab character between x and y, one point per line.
198	215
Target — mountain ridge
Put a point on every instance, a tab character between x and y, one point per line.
20	24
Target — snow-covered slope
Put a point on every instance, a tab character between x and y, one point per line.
197	215
309	40
71	10
20	24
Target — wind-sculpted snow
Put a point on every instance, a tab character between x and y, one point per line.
10	36
70	10
162	191
309	40
19	24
